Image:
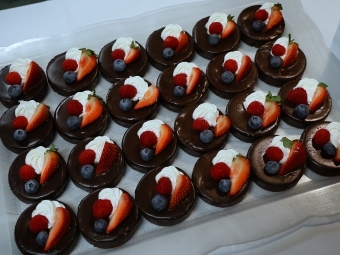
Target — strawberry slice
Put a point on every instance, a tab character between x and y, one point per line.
194	80
33	76
229	28
133	54
319	97
183	42
239	174
93	109
108	158
123	210
296	158
61	225
87	63
51	163
222	126
244	68
275	16
292	53
272	110
181	191
39	116
336	158
150	97
165	138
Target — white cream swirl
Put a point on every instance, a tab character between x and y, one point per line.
140	84
112	194
83	97
171	30
20	66
184	67
35	158
26	108
207	111
151	125
283	41
170	172
255	96
47	209
235	55
225	156
276	142
217	17
124	43
268	7
97	145
334	130
73	53
309	85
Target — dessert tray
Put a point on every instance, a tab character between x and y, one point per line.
262	216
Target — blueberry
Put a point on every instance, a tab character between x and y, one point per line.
69	76
73	122
100	225
159	202
125	104
41	238
87	171
330	149
224	185
257	25
168	53
255	122
276	61
146	154
228	77
214	39
119	65
179	91
14	91
272	167
20	135
206	136
31	186
301	111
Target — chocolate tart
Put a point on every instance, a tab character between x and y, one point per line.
278	76
128	118
189	139
36	92
260	177
42	135
25	238
55	78
96	128
201	39
239	120
145	191
105	63
166	85
155	45
317	161
207	187
288	108
214	72
255	38
108	179
123	233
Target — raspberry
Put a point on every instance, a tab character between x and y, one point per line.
27	172
87	157
69	65
261	15
118	54
127	91
297	96
200	124
13	78
102	208
255	108
215	28
274	153
19	122
220	171
148	139
38	223
180	79
171	42
74	107
278	50
230	65
164	186
321	137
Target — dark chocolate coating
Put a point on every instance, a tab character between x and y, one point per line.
239	120
288	108
144	193
201	39
207	187
260	177
105	63
42	135
128	118
25	238
55	78
166	85
256	38
123	233
108	179
214	72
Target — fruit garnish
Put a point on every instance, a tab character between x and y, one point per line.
229	28
200	124
194	80
165	138
244	68
278	50
150	97
183	42
223	124
87	157
319	97
296	158
215	28
171	42
220	171
207	136
108	158
164	186
127	91
159	202
255	108
13	78
74	107
292	53
102	208
274	153
272	110
51	163
336	158
230	65
32	77
261	14
69	65
297	96
19	122
87	63
133	54
148	139
93	109
38	223
181	191
275	16
322	136
118	54
27	172
180	79
147	154
239	174
39	116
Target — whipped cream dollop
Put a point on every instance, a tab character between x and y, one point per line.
309	85
207	111
112	194
235	55
26	108
334	130
255	96
184	67
140	84
35	158
170	172
171	30
97	145
217	17
124	43
283	41
225	156
151	125
47	209
276	142
268	7
83	97
20	66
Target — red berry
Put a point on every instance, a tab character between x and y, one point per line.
215	28
297	96
118	54
200	124
38	223
255	108
69	65
261	15
127	91
164	186
148	139
102	208
274	153
180	79
171	42
230	65
27	172
19	122
74	107
13	78
220	171
321	137
87	157
278	50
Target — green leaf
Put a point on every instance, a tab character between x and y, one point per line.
323	84
286	142
272	98
53	148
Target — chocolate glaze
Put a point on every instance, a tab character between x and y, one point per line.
123	233
214	72
288	108
239	120
25	238
166	85
155	46
55	74
131	149
316	160
201	39
105	62
145	191
37	92
189	139
278	76
108	179
128	118
207	187
96	128
42	135
254	38
260	177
